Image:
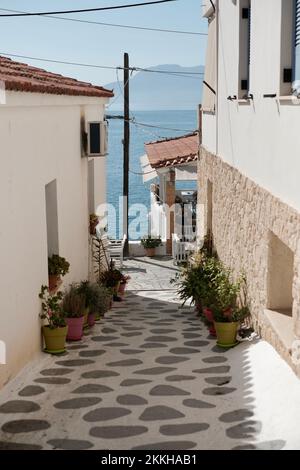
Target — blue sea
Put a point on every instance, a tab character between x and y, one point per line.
139	193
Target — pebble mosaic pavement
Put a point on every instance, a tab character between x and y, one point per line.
147	376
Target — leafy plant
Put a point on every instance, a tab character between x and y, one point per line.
58	266
52	308
231	303
94	218
125	278
73	302
198	281
149	242
111	277
97	297
100	257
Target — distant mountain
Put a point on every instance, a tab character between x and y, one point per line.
157	91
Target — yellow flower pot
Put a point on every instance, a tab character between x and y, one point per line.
226	334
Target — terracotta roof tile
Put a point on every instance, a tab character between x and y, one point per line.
175	151
22	77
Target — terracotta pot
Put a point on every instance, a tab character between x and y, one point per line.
54	282
55	339
226	334
92	319
75	328
150	252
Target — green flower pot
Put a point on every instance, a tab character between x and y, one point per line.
55	339
226	334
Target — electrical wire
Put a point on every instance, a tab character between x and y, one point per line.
85	10
142	28
80	64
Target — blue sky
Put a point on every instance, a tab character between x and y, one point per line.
62	40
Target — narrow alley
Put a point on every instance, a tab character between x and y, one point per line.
148	376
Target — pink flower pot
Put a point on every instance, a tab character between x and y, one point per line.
92	319
208	313
75	328
122	289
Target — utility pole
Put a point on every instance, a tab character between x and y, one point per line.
126	153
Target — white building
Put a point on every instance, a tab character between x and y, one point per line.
172	165
250	157
48	187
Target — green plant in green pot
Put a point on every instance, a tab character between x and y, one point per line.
230	309
57	267
74	308
55	332
150	243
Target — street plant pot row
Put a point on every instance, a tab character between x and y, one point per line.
65	312
219	297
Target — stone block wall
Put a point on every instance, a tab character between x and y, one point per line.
243	217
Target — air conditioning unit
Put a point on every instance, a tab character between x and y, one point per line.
97	139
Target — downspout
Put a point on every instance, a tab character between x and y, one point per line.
217	74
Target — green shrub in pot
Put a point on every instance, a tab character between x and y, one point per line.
55	332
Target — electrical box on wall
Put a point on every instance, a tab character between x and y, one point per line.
97	139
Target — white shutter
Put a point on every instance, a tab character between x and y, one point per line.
104	138
296	84
210	75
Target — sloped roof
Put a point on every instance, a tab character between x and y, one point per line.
22	77
175	151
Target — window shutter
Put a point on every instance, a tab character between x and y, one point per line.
104	138
296	84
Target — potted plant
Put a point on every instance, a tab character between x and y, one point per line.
111	278
94	221
73	307
84	290
123	284
55	332
150	243
57	267
230	309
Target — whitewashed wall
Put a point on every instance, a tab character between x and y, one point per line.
40	142
260	138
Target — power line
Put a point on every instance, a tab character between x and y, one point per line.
77	20
161	127
80	64
85	10
133	120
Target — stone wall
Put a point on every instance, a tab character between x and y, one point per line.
244	216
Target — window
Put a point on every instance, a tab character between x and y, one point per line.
287	46
290	48
245	48
97	139
296	71
280	276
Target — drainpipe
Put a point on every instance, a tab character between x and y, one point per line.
217	75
